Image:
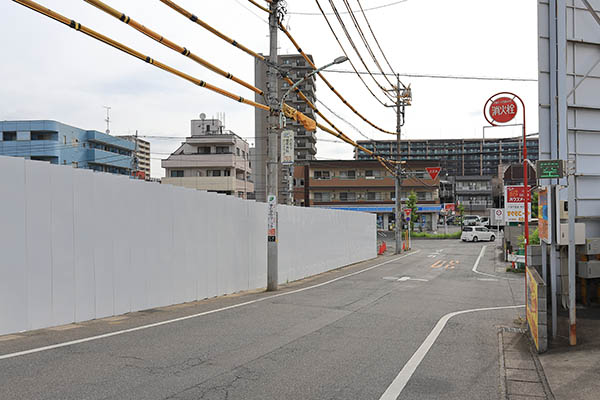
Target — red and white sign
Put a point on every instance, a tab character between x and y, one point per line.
407	212
514	197
503	109
433	172
450	207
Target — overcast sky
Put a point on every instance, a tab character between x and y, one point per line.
50	71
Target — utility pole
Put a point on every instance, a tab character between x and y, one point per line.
399	123
272	152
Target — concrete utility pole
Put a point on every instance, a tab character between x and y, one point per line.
398	186
272	152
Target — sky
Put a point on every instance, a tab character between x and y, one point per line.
50	71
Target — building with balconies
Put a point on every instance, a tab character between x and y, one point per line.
367	186
212	159
458	157
478	193
296	68
142	155
58	143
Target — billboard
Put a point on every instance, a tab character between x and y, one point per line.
532	307
514	196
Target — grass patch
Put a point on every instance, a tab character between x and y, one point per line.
426	235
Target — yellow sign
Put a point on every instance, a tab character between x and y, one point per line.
532	307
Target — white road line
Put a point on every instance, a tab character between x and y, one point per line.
394	390
483	273
139	328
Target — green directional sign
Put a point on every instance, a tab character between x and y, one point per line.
550	169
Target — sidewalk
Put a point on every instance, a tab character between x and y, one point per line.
522	377
574	372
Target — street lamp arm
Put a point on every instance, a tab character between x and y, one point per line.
338	60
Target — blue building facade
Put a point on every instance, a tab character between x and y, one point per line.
62	144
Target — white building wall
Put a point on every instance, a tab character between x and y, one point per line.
77	245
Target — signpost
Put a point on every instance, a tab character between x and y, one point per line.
550	169
503	109
433	172
287	147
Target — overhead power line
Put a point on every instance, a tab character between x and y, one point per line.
353	45
412	75
102	38
329	85
173	46
353	11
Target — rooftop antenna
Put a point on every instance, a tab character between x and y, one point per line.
107	119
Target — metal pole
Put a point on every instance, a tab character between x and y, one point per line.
272	156
571	258
398	183
525	186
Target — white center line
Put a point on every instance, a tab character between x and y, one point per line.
139	328
394	390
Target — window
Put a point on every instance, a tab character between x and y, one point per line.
321	175
64	139
371	196
222	149
213	172
350	196
237	149
348	174
176	173
227	172
243	154
203	150
322	196
10	136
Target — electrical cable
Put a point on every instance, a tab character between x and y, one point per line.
166	42
481	78
363	37
77	26
352	44
329	85
353	11
377	41
350	61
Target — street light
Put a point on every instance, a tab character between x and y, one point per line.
338	60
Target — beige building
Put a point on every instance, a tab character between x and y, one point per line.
142	153
211	159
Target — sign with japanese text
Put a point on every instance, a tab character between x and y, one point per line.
287	147
433	172
272	218
503	109
514	198
550	169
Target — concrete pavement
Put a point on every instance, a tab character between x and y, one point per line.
346	338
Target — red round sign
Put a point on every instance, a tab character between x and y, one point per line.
503	109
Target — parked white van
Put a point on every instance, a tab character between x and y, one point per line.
477	233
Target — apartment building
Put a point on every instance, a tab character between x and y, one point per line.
141	154
212	159
305	141
58	143
458	157
366	186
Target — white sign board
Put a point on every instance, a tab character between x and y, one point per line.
497	216
514	207
272	218
287	147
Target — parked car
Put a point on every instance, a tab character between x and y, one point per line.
470	220
477	233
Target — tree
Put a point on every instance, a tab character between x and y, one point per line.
412	204
461	211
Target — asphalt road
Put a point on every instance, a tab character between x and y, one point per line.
347	339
